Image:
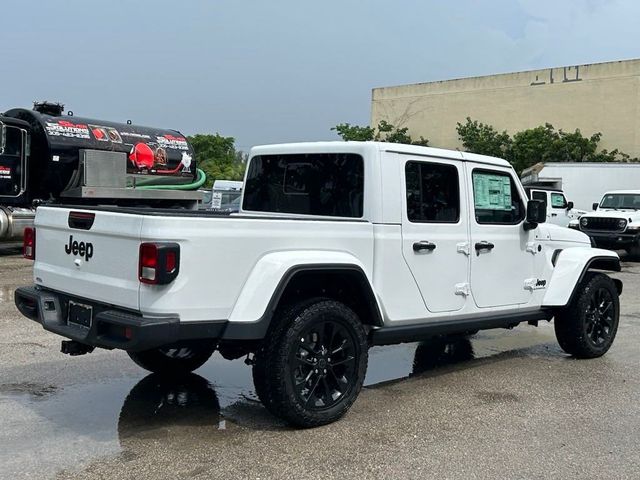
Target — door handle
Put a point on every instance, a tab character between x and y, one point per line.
423	245
484	245
554	214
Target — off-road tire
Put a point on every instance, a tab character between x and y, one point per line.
175	359
259	370
278	362
580	330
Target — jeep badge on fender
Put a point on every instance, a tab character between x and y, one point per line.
83	249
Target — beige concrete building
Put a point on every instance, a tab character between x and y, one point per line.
601	97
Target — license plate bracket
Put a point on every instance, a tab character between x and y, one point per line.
79	314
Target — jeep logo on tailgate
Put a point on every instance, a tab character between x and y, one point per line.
83	249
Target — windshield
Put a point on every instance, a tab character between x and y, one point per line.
621	200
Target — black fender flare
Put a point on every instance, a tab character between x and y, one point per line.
258	329
598	263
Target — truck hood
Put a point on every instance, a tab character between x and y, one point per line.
562	234
631	216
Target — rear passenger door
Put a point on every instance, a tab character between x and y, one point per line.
435	231
502	258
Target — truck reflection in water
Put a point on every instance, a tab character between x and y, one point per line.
158	403
441	351
158	406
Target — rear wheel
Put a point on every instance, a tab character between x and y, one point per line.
587	327
174	359
312	364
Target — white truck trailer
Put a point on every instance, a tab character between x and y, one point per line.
583	183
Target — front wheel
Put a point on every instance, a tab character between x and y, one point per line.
587	327
175	359
312	364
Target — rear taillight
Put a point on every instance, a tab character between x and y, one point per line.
29	243
159	263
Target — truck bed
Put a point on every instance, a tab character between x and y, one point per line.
218	254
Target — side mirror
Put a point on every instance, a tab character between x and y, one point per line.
569	205
3	137
594	206
536	213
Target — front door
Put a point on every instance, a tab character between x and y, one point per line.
502	259
435	231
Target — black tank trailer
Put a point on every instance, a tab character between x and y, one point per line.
47	156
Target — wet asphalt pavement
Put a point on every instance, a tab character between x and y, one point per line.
503	404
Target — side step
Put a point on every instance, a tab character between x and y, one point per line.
430	328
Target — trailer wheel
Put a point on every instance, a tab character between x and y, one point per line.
174	359
587	327
312	363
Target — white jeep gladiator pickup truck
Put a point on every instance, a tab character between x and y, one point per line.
338	246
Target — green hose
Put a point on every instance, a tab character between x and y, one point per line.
202	177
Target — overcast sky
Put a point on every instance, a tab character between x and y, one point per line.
276	71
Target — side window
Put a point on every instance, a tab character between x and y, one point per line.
558	201
433	192
327	184
496	199
539	196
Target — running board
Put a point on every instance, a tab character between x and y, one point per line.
453	325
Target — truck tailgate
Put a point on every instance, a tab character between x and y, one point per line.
100	263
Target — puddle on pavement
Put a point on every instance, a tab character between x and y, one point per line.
45	429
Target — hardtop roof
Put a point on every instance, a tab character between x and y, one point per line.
338	146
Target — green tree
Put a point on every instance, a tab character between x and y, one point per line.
218	157
539	144
354	133
385	132
531	146
483	139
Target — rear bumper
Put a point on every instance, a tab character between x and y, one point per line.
110	327
614	240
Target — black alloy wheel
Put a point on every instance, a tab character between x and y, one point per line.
587	326
325	362
312	363
599	317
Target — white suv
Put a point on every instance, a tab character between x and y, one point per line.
615	221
